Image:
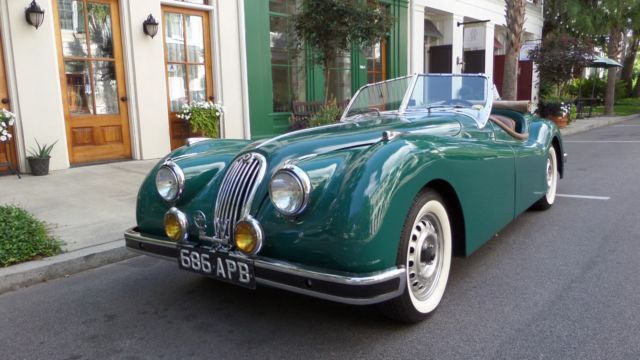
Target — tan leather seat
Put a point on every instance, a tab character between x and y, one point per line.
508	125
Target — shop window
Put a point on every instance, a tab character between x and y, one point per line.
376	62
340	78
287	66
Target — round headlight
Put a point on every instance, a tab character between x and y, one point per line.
289	190
170	181
175	224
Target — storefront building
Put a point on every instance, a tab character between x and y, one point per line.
92	80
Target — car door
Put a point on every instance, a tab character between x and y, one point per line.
529	167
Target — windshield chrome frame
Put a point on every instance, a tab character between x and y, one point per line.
481	119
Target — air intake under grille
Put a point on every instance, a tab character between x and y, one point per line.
236	193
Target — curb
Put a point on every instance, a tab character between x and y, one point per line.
33	272
594	124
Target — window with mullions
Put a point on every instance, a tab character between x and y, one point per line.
287	67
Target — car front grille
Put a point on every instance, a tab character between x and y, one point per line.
236	193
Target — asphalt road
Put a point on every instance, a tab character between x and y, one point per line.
560	284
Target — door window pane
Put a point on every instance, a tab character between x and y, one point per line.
174	36
100	30
195	40
106	87
177	86
72	32
197	83
78	90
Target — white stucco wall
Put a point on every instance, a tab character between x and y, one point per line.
34	76
146	81
448	13
34	82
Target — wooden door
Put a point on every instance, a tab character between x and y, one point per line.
187	49
440	59
7	149
92	78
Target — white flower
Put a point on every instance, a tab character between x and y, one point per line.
3	138
11	121
9	136
4	132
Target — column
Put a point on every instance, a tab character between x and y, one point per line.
489	34
416	53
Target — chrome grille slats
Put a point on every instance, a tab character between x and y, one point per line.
236	193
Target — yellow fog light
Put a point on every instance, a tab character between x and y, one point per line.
248	236
175	224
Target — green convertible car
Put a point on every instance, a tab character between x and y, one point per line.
369	210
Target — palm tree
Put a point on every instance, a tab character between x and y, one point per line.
515	11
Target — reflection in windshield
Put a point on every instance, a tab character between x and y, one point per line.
431	91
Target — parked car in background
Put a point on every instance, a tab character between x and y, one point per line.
369	210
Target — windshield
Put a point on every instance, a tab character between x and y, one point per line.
379	97
463	93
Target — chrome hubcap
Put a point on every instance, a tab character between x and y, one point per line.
424	257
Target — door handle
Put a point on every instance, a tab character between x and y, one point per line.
5	100
123	98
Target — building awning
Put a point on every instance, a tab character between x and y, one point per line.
430	30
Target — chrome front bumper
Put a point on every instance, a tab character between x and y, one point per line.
355	289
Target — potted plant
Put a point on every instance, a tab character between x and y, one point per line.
39	158
203	117
556	111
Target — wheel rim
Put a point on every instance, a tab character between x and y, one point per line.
425	256
552	176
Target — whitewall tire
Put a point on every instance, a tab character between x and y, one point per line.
551	175
425	252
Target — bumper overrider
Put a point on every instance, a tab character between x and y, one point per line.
356	289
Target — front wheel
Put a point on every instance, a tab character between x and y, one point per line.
552	182
425	252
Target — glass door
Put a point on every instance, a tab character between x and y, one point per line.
188	66
92	78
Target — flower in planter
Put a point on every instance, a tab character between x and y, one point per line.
7	119
203	117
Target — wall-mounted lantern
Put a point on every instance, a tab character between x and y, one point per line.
150	26
34	14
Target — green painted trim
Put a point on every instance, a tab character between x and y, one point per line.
263	121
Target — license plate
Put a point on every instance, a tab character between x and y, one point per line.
217	265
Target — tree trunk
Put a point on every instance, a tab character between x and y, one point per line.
636	89
515	11
613	51
626	74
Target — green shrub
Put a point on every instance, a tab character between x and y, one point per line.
328	114
23	237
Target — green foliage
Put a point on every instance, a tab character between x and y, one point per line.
203	117
560	57
41	152
328	114
331	27
584	87
23	237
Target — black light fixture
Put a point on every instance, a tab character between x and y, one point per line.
150	26
34	14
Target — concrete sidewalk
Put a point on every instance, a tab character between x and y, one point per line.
90	207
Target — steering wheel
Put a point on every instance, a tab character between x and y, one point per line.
458	102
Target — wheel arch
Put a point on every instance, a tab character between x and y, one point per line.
452	202
555	142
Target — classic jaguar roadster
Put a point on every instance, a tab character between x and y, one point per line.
369	210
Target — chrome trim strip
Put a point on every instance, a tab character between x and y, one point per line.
310	273
347	279
339	299
132	234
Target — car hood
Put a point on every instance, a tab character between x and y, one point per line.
345	135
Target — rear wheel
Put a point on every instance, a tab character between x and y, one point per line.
425	252
552	182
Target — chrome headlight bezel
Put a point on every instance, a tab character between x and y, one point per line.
178	176
301	180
